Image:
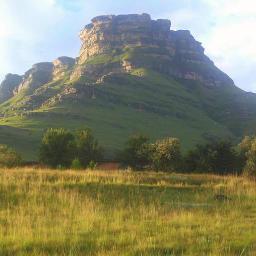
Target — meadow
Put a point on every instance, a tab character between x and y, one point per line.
47	212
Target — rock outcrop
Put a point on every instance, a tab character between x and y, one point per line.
135	41
108	33
39	74
8	85
61	66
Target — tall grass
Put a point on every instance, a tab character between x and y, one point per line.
45	212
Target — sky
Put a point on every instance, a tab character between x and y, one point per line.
33	31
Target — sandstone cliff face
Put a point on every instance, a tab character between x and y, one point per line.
39	74
108	33
61	66
7	87
150	44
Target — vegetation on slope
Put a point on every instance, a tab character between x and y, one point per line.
143	102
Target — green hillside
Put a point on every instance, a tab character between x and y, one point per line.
141	102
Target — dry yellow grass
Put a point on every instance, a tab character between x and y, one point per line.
46	212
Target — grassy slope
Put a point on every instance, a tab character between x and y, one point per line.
72	213
144	102
231	106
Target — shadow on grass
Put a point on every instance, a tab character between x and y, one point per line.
147	194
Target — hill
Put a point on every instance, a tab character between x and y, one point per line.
133	74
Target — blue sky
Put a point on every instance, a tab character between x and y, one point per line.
32	31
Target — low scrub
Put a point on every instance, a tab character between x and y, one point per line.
9	157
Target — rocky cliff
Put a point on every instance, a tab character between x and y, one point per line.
113	33
8	86
127	42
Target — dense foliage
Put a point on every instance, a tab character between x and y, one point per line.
248	155
57	148
220	157
88	149
137	152
162	155
216	157
60	147
8	157
166	155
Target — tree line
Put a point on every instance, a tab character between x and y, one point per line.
61	148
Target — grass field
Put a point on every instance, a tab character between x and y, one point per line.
45	212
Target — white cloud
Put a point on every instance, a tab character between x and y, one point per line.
232	7
24	25
231	40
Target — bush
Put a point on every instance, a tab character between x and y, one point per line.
88	149
137	152
166	154
216	157
8	157
57	148
250	156
92	165
76	165
243	148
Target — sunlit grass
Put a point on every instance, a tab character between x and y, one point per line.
45	212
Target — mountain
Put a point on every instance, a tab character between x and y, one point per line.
133	74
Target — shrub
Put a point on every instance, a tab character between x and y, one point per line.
137	152
92	165
166	154
88	149
243	148
8	157
250	164
76	165
57	148
216	157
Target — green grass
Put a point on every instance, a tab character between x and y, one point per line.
45	212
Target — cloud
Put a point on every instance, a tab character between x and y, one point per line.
26	27
231	41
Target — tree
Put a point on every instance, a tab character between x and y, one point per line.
216	157
166	154
137	152
88	149
8	157
57	148
243	148
250	165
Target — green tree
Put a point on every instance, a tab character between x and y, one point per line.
243	148
9	157
76	165
57	148
88	149
217	157
250	155
166	154
137	152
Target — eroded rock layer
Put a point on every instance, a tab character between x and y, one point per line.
135	41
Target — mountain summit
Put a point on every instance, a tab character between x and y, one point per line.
133	74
